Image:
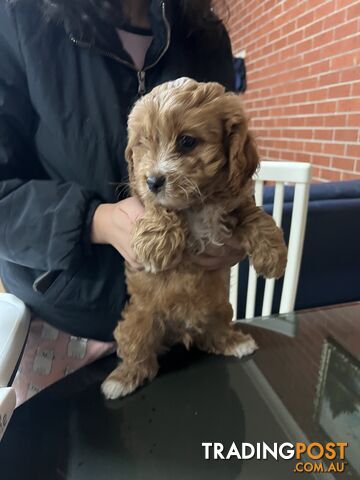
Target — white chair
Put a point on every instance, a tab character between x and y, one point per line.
14	326
281	173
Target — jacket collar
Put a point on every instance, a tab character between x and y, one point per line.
107	42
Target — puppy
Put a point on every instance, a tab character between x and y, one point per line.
191	159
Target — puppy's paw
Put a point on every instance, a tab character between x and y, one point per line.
230	343
270	262
158	244
112	389
246	346
126	379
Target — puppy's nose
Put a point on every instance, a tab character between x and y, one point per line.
155	183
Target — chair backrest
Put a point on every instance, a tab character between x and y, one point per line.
281	173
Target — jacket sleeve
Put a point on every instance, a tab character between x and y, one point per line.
44	224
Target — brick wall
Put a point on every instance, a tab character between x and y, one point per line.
303	72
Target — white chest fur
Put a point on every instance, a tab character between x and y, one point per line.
209	226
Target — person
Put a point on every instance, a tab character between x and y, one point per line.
70	72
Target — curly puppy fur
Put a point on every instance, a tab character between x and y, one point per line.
195	137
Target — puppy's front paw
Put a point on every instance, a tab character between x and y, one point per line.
125	379
158	244
113	388
246	346
270	262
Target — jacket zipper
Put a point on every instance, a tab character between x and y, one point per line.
141	74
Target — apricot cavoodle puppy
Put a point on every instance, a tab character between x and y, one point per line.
191	159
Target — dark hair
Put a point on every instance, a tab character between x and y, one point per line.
85	14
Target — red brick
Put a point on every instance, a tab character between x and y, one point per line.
277	122
323	39
351	105
319	67
336	48
288	28
305	19
353	11
324	10
344	3
279	144
339	91
343	61
266	92
289	133
331	175
334	148
303	47
305	134
355	89
309	83
277	111
350	176
316	95
353	151
353	120
312	56
326	107
314	28
307	109
295	37
315	173
294	145
302	157
284	155
321	160
345	30
315	147
323	134
335	121
343	163
291	13
328	79
276	133
346	135
335	19
275	34
283	99
316	121
297	122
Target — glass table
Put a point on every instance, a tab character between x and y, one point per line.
302	385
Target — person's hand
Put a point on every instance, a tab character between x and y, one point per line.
113	223
216	258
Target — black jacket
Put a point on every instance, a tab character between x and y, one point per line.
63	114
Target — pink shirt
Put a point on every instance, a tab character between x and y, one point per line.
136	45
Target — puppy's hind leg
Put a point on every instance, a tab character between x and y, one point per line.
139	337
222	338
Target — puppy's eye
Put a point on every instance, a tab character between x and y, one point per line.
186	143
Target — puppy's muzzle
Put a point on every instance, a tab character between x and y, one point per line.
155	183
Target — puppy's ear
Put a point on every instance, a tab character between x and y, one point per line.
129	156
130	162
239	144
251	156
